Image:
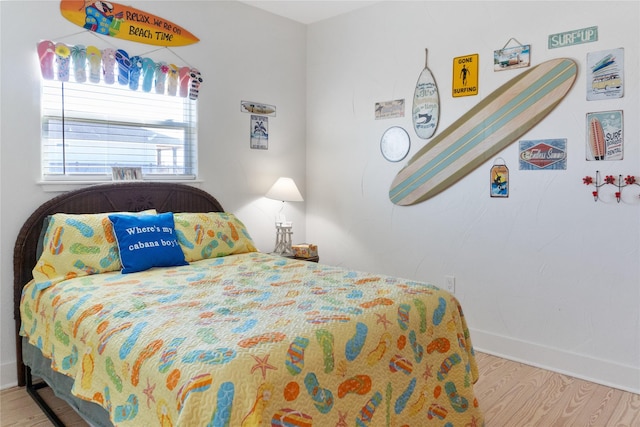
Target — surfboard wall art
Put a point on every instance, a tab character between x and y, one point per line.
496	122
596	138
426	103
124	22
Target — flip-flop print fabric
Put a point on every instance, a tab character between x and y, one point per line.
254	339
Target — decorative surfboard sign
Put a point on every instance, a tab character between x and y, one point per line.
125	22
258	108
426	103
493	124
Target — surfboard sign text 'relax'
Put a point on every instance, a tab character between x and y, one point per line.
497	121
125	22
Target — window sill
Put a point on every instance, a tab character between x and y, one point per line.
62	186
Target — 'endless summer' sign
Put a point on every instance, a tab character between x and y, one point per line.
125	22
569	38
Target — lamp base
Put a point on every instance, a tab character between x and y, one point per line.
283	239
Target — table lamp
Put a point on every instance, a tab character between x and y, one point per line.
284	189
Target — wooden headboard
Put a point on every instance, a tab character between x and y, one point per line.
111	197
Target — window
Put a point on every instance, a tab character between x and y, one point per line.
87	129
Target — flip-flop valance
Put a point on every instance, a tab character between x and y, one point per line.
59	61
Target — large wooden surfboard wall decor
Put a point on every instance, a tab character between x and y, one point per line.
125	22
496	122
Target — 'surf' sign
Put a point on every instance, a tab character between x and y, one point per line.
569	38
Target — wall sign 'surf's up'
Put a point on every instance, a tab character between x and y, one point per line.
497	121
125	22
570	38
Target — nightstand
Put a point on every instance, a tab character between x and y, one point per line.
310	259
300	258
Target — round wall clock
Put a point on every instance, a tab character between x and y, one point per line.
395	144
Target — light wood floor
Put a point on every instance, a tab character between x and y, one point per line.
511	394
516	395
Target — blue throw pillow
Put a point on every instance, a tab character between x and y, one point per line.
146	241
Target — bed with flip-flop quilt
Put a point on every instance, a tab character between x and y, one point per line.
173	318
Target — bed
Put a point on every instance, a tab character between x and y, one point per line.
227	335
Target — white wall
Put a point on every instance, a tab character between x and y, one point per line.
243	54
546	276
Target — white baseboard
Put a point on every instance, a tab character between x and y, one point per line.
599	371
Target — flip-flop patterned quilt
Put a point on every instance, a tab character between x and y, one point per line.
259	340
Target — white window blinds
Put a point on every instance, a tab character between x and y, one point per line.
89	128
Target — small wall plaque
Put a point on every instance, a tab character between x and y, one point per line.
570	38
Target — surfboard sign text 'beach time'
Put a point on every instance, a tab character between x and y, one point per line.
125	22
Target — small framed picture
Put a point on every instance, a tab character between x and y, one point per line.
259	132
499	177
605	74
543	154
605	137
389	109
511	57
126	174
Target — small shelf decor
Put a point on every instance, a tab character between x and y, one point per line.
618	182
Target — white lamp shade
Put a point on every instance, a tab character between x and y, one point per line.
285	189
